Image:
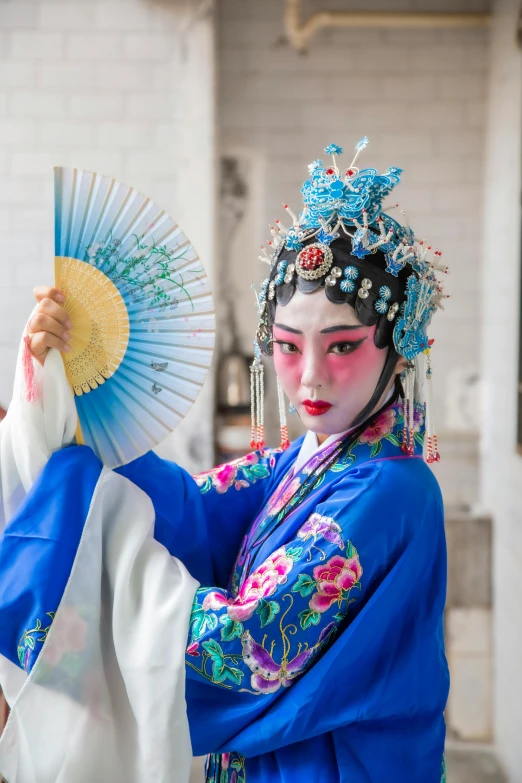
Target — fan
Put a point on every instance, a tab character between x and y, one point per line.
141	311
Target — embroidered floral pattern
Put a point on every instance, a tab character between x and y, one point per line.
280	501
30	638
69	635
241	473
380	428
261	584
334	580
225	768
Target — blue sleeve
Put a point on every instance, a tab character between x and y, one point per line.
38	548
247	655
202	519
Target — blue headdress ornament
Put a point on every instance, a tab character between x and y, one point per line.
350	200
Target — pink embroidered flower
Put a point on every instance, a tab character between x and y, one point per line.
382	426
333	578
225	760
225	476
262	583
192	649
280	502
68	634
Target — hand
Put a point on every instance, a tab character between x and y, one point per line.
48	327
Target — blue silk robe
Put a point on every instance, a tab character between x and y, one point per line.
315	649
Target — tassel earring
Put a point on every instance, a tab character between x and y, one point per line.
282	416
409	409
257	402
432	448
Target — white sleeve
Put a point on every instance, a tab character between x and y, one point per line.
32	431
106	697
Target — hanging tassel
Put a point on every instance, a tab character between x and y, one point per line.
257	402
408	445
282	416
30	383
432	448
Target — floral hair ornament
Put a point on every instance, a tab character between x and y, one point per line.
349	201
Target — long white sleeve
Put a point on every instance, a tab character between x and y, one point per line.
32	431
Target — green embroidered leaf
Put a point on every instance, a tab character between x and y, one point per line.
339	616
214	650
304	585
419	437
232	629
320	481
391	437
376	448
295	553
200	621
267	610
350	549
237	764
223	776
308	617
38	625
29	642
258	471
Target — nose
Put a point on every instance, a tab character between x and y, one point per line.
313	371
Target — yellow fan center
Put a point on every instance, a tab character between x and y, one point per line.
100	323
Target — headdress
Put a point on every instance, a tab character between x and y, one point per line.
344	239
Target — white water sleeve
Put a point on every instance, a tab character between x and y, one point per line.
121	715
32	431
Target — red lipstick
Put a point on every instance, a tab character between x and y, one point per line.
316	407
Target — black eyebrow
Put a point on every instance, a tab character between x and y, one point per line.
328	330
340	328
288	329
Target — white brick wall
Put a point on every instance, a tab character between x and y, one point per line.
109	86
501	478
418	95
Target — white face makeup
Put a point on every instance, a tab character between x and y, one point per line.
327	361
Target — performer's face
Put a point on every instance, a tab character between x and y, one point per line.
324	355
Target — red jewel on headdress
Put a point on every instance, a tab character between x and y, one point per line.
350	173
311	258
329	171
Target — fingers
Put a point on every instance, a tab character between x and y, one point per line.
44	323
40	343
44	292
48	307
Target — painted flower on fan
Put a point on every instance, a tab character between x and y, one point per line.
261	584
333	149
383	425
317	526
334	581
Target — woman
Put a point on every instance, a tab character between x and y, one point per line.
315	640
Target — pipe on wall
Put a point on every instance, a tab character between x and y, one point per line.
299	33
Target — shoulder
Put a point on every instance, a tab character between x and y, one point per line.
402	494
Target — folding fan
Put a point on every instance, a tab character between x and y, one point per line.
141	312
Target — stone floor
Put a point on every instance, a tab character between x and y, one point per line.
473	765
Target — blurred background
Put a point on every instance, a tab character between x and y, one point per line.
214	110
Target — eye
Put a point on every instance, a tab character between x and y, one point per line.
287	347
343	349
